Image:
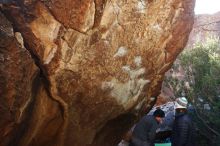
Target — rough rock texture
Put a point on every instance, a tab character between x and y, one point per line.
24	103
17	73
172	86
205	26
100	62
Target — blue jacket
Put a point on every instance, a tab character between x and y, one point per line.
183	131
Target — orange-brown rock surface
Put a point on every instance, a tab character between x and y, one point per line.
76	73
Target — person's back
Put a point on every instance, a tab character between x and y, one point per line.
183	131
145	130
183	128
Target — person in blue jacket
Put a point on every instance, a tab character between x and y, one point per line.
145	130
183	128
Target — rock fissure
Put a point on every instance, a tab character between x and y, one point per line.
47	82
101	62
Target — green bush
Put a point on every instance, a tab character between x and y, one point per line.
202	64
202	71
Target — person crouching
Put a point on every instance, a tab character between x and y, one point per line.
145	130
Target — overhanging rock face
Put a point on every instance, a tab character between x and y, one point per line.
99	61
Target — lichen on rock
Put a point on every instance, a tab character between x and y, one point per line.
100	63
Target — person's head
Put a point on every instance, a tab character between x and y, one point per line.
181	102
159	115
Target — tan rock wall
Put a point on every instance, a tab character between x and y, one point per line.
101	62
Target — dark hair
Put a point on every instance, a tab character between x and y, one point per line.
181	110
159	113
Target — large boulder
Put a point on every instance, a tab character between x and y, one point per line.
101	64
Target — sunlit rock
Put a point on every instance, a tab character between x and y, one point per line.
101	62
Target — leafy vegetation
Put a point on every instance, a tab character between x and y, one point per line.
202	66
201	85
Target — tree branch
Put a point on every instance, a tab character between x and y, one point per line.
218	21
203	121
205	29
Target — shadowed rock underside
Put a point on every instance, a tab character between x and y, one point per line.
77	73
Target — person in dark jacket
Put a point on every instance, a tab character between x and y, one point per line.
183	129
145	130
